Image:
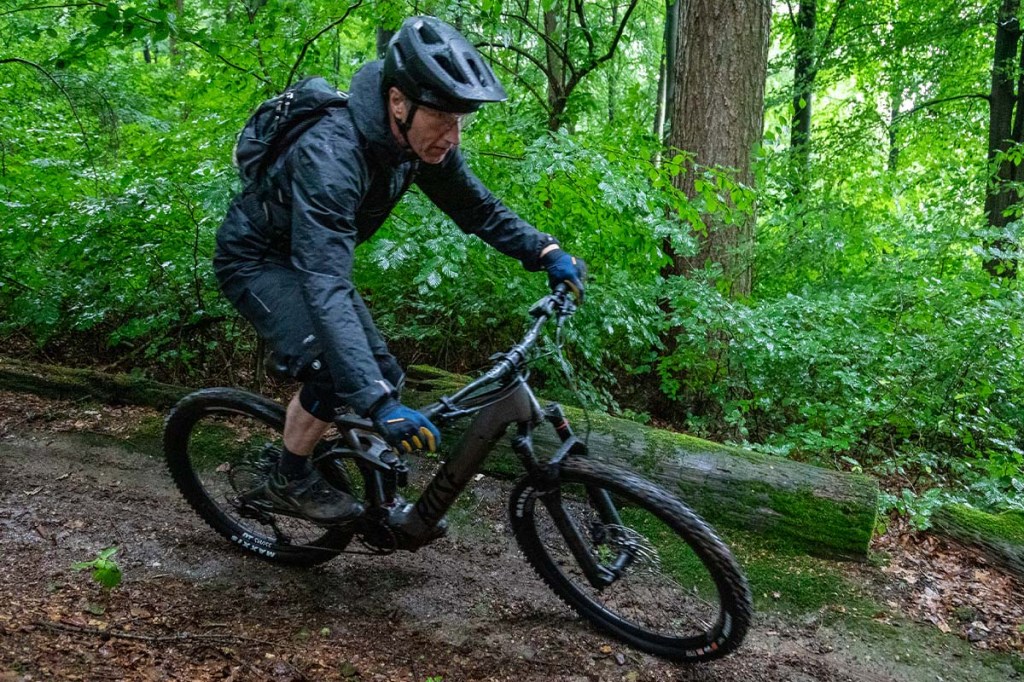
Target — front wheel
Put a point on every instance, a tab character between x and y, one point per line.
646	570
220	445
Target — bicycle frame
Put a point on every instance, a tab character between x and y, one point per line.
512	401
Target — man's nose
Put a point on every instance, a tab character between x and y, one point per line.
453	135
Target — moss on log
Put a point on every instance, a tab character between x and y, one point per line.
71	384
799	506
999	537
794	505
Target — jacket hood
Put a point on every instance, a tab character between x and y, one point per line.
366	101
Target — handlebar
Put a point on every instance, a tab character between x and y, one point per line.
557	304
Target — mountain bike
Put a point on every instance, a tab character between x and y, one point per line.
628	556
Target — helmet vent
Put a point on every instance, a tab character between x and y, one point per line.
481	74
428	35
450	69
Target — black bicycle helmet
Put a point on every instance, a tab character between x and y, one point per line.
433	64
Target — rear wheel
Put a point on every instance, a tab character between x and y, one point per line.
664	583
220	445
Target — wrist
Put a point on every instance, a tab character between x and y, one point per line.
382	406
549	248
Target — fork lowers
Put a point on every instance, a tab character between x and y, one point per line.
632	559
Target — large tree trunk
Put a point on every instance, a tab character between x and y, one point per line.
796	505
719	114
1004	131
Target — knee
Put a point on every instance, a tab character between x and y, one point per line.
317	395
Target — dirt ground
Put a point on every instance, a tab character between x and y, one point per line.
192	607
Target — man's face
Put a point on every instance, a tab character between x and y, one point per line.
433	133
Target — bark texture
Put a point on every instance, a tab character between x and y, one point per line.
998	537
718	115
1006	129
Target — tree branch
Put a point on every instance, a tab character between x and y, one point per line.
499	155
308	43
71	103
520	51
559	52
586	29
578	76
826	45
940	100
179	637
20	285
529	88
792	17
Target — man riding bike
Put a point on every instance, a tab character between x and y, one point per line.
286	263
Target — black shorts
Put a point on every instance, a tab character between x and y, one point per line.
269	295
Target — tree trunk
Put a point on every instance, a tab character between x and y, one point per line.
659	111
804	73
75	384
1003	133
718	116
172	41
666	75
802	507
556	70
998	537
612	76
383	38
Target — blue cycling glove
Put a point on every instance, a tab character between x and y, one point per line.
404	428
562	267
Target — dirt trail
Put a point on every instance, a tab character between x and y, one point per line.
191	607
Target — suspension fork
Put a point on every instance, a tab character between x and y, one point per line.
547	478
571	445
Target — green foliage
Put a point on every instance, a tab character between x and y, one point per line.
104	569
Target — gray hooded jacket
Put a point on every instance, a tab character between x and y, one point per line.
332	190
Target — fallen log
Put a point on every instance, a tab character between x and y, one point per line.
803	507
70	383
793	505
997	537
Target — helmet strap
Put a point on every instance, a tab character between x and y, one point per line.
406	124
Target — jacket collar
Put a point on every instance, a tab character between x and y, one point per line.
366	101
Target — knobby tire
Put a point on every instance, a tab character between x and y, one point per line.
213	433
687	600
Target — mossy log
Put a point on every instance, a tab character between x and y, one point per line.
69	383
794	505
803	507
998	537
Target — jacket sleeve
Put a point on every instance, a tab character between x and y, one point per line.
453	187
328	178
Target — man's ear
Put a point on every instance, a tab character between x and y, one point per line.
397	101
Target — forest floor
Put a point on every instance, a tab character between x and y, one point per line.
77	478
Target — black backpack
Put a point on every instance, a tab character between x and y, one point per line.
277	123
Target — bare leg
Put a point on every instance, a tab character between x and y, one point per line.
302	431
309	495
